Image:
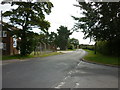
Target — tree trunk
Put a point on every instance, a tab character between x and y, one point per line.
95	48
23	42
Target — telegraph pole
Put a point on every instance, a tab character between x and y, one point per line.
1	26
95	47
1	45
1	16
1	23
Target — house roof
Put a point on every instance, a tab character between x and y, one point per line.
8	27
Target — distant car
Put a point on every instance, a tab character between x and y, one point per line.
58	48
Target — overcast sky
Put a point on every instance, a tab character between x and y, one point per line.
61	15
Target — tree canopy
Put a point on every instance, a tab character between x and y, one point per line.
101	20
62	37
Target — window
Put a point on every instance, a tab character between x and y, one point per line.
14	42
1	45
4	33
4	46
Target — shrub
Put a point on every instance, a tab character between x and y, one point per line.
71	46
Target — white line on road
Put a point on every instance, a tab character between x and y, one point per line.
76	85
61	84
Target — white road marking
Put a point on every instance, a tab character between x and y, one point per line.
61	84
76	85
66	77
70	72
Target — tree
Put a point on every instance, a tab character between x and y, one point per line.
32	41
74	41
28	15
101	21
52	38
62	37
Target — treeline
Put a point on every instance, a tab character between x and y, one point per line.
89	47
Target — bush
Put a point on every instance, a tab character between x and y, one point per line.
108	47
89	47
103	47
71	46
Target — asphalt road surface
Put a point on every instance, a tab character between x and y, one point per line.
60	71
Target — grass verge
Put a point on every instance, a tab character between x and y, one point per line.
68	50
30	56
16	57
102	59
48	54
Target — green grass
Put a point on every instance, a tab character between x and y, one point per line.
99	58
48	54
16	57
30	56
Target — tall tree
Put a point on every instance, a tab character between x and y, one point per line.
101	21
28	15
62	37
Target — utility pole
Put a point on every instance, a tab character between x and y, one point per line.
1	16
1	21
1	27
95	47
1	44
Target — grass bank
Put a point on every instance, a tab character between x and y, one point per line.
30	56
102	59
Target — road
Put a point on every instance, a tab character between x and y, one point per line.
59	71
